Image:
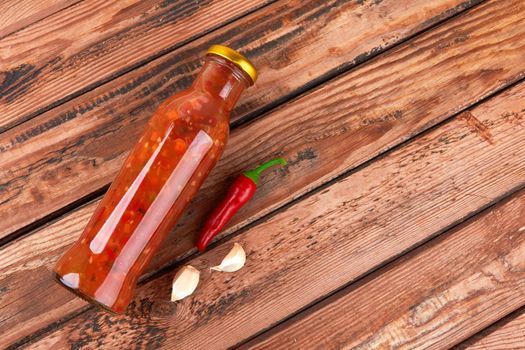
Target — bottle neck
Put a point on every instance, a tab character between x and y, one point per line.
223	80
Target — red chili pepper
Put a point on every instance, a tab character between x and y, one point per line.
239	193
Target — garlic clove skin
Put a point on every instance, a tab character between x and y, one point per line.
234	261
185	282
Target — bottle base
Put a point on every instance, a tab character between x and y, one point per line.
84	296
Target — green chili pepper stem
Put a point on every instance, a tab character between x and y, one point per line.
254	174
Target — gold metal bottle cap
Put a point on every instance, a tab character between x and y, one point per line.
236	58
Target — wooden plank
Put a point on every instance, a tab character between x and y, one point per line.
15	15
506	334
323	242
76	149
93	41
360	127
432	298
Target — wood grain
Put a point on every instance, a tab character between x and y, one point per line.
76	149
93	41
353	130
506	334
17	14
321	243
432	298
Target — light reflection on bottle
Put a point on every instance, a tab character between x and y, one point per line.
72	280
99	242
109	289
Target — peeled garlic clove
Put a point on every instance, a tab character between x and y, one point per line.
184	282
233	261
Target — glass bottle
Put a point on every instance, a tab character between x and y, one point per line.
181	144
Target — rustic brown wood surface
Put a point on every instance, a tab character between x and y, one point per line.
81	144
348	92
339	234
412	303
508	333
22	13
305	149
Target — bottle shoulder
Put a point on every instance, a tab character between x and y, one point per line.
193	103
191	111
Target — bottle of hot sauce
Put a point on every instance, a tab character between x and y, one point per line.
181	144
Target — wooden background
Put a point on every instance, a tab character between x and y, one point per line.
398	223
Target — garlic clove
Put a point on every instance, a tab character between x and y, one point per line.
234	261
184	282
